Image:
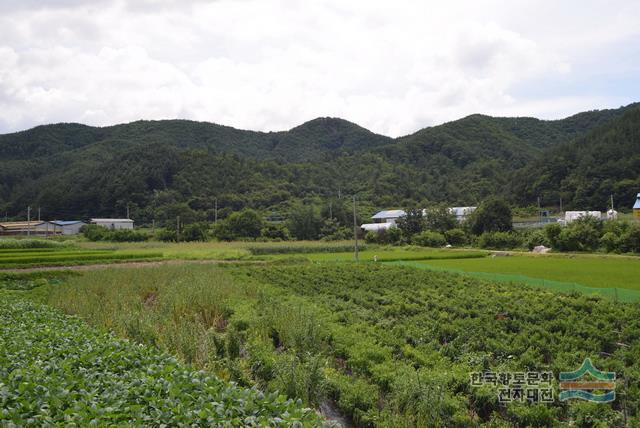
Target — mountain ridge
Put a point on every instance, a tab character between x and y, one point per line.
152	165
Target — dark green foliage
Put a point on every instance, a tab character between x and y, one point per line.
243	224
275	232
195	232
93	232
429	238
500	240
536	238
438	218
304	222
165	169
411	223
492	215
585	172
391	236
456	237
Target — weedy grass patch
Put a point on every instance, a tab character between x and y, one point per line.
56	371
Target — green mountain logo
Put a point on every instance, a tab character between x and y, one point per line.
600	387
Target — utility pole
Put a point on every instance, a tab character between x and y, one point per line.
539	211
355	228
178	229
128	211
561	205
38	213
612	202
29	221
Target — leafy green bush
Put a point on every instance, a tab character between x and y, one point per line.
389	236
536	238
456	237
245	224
500	240
275	232
492	215
429	238
195	232
93	232
580	235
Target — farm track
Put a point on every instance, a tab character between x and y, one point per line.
125	264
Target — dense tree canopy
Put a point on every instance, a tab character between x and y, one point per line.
163	169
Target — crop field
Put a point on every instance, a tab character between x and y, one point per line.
588	270
57	371
20	258
368	344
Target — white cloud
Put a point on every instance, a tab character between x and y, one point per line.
272	64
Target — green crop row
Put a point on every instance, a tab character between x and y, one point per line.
70	259
52	254
56	371
299	249
31	243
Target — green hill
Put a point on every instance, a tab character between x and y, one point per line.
158	167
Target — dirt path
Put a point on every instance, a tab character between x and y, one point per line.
128	265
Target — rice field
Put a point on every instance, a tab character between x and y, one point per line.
588	270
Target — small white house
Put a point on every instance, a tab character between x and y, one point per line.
570	216
113	223
462	213
383	220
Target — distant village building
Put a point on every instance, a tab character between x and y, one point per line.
113	223
636	208
612	214
13	228
383	220
66	227
462	213
570	216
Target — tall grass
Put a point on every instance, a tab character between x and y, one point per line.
32	243
178	308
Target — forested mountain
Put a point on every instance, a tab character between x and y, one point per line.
587	170
160	168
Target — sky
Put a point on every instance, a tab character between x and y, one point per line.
269	65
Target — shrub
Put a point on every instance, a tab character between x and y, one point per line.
456	237
440	219
126	235
535	238
93	232
580	235
610	242
630	240
384	236
195	232
275	232
429	239
493	215
499	240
